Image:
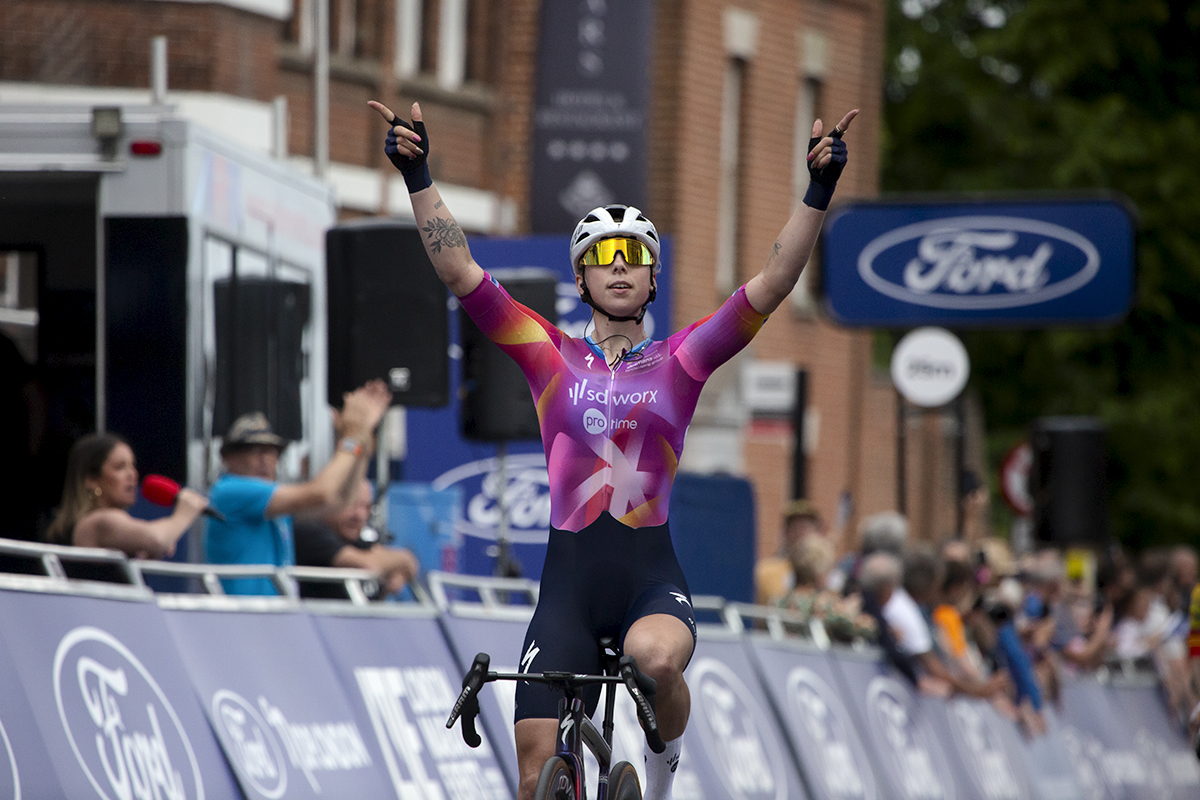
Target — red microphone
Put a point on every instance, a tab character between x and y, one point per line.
162	491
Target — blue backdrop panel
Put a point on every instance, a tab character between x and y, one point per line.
423	520
276	705
805	691
911	757
736	747
712	527
438	454
1099	739
111	697
25	768
985	745
1161	741
404	681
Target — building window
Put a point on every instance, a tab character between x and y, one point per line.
729	207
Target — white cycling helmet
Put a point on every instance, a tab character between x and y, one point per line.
605	222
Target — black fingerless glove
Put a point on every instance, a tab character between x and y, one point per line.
823	180
414	169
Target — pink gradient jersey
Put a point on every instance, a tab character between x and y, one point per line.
612	436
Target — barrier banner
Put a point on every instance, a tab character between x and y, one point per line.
1049	765
1160	740
801	683
116	712
986	746
403	682
737	749
1100	742
25	768
276	705
911	755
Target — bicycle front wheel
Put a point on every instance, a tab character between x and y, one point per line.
556	781
623	783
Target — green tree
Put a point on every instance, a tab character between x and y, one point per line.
1064	95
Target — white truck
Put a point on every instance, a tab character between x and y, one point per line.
158	280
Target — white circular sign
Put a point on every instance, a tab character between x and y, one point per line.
930	367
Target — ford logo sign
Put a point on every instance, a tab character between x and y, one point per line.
978	262
120	724
523	491
250	744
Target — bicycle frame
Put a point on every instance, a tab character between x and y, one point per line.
575	729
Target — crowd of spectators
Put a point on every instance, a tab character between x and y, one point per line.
968	616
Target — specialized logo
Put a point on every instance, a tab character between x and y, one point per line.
7	790
530	655
250	744
839	760
681	598
735	731
976	263
564	729
120	724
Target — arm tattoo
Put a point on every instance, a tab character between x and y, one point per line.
775	248
438	204
444	232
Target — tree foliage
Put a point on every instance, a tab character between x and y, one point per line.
1064	95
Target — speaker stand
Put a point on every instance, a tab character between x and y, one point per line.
506	565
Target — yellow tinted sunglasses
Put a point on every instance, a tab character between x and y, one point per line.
604	252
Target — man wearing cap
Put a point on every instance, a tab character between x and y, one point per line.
774	576
257	528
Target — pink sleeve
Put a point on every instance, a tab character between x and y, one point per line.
710	342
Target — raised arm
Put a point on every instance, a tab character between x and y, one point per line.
361	412
791	251
408	148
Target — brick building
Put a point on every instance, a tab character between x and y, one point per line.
735	86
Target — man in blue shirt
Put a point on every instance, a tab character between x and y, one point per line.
257	528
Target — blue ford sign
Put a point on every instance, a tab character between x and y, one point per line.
976	264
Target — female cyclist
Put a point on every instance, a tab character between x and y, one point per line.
613	409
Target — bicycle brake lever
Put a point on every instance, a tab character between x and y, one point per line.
643	689
467	704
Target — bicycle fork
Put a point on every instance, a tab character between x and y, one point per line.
576	731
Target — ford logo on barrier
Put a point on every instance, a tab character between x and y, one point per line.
120	724
978	262
839	762
250	743
915	758
735	730
6	790
984	753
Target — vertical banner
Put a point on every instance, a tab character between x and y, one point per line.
912	758
593	87
1161	740
25	768
403	682
111	697
800	681
276	706
733	744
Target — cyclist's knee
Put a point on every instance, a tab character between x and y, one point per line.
658	658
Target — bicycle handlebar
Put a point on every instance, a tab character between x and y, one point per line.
642	688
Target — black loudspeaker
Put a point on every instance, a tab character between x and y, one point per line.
260	358
388	314
1068	481
497	405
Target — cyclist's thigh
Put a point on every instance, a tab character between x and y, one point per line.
661	598
557	639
